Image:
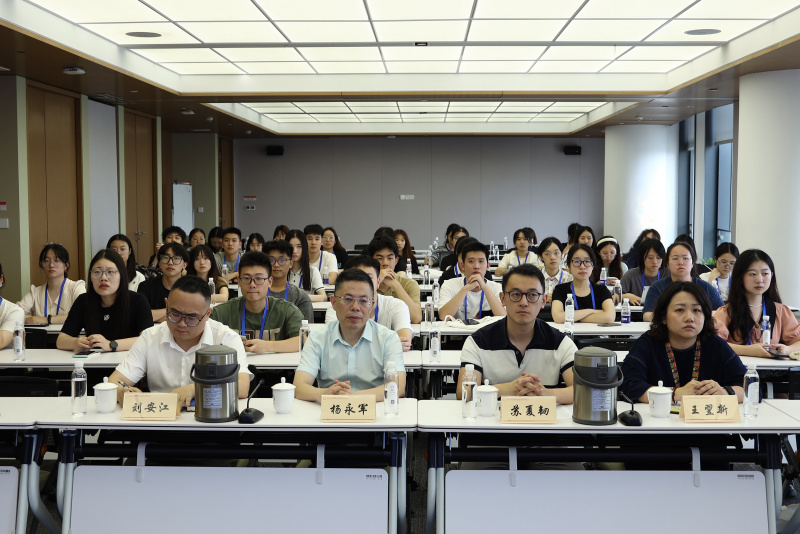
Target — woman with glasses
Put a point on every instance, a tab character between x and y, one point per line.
521	254
255	242
551	259
331	243
196	237
651	267
302	274
280	232
753	296
593	302
122	245
172	259
50	303
681	258
111	315
720	276
202	264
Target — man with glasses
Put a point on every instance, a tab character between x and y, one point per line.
171	234
230	253
172	259
269	324
280	257
391	283
471	296
166	352
350	355
522	355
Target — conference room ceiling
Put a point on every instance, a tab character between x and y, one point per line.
381	67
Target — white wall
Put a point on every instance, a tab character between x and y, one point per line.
491	185
104	185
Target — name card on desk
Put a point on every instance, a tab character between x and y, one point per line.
150	406
351	408
528	410
710	408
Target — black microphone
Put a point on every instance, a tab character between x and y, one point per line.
251	415
630	418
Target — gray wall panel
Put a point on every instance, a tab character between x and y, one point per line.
505	188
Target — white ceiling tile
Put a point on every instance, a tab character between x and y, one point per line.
421	31
260	54
170	33
419	109
340	53
504	53
87	11
529	106
314	9
234	32
424	118
514	30
515	115
203	68
422	115
560	115
609	30
368	107
454	118
642	66
503	9
495	66
739	9
572	109
646	53
463	105
316	106
557	53
209	10
273	110
324	109
285	116
462	115
277	67
632	9
568	66
730	29
339	117
180	55
328	32
369	119
541	118
348	67
421	53
419	9
423	103
500	118
590	105
399	67
276	105
375	116
293	118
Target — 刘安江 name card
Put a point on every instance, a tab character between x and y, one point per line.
528	410
710	408
351	408
150	406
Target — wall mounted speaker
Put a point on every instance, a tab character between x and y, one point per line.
277	150
568	150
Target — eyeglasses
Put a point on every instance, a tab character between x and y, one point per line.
279	261
726	264
682	259
578	263
191	319
55	261
347	300
174	260
97	274
516	296
259	280
329	237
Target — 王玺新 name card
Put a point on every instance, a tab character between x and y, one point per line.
351	408
710	408
528	410
150	406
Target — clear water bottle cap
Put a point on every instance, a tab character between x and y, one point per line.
390	364
304	322
470	367
78	364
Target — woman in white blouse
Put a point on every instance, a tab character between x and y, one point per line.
50	303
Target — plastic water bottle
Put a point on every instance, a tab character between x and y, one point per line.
505	243
430	311
304	331
603	276
435	344
626	312
426	273
469	408
766	330
569	314
436	242
19	342
325	275
752	392
408	268
491	251
225	270
436	292
213	288
391	388
80	390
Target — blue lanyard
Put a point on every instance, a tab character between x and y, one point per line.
377	307
455	270
480	308
319	268
575	299
61	292
263	318
643	282
526	258
763	313
285	294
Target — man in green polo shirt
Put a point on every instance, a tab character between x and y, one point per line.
270	324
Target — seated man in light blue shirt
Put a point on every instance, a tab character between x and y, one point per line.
349	356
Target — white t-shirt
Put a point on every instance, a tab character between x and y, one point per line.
326	260
451	287
133	285
510	260
10	314
316	280
723	285
392	313
33	302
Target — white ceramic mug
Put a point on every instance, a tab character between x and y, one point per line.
486	397
283	397
105	396
660	400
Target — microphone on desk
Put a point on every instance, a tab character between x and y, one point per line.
251	415
629	418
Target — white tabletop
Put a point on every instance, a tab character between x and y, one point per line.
789	407
321	306
634	329
289	360
22	413
445	416
57	413
60	358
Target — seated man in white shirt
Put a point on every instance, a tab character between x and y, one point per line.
325	262
166	352
388	311
350	355
472	296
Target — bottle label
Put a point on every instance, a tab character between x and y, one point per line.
18	345
391	393
752	393
766	337
434	347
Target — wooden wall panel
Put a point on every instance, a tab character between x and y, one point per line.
139	185
37	180
225	183
131	213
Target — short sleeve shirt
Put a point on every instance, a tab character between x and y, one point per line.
34	302
155	292
282	322
298	298
512	259
392	313
140	318
632	281
410	286
451	287
316	280
601	294
328	260
10	314
656	289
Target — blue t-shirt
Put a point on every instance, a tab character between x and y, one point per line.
656	289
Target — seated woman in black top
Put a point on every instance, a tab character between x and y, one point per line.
682	350
111	315
593	302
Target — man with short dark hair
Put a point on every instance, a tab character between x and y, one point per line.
472	296
316	256
166	352
350	355
280	257
171	234
230	253
172	260
391	283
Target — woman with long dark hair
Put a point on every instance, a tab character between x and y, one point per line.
521	254
725	257
331	243
255	242
51	302
304	275
632	256
202	264
607	251
651	268
120	244
404	246
111	315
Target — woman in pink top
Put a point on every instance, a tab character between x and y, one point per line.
753	295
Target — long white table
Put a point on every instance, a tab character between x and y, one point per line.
289	360
46	358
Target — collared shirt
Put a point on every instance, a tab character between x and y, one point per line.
392	313
10	314
550	282
327	356
548	354
410	286
510	260
283	318
451	287
316	280
167	366
33	302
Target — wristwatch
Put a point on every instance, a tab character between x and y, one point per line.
49	320
113	345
